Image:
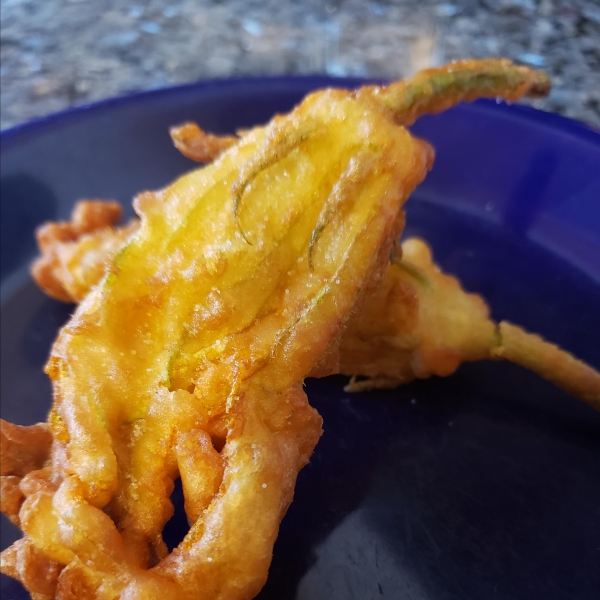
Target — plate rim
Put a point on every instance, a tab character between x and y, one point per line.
551	120
536	117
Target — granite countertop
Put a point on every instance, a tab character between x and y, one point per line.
61	53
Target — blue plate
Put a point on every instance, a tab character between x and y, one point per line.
485	484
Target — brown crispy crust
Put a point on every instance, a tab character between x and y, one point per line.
75	254
11	497
23	449
38	573
198	145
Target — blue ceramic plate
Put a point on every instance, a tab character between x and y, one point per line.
482	485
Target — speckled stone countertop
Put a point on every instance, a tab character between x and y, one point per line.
61	53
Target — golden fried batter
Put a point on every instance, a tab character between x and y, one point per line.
548	361
435	90
420	322
22	450
188	357
202	330
75	255
66	271
198	145
38	573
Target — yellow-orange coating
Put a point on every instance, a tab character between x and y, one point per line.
211	313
